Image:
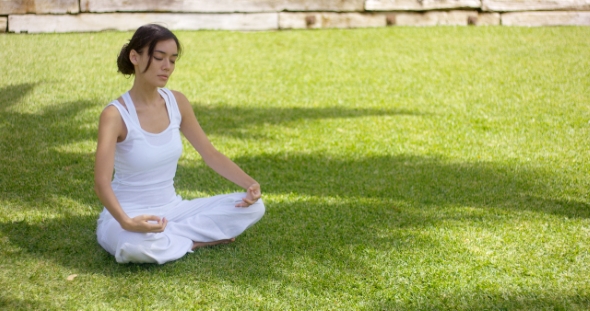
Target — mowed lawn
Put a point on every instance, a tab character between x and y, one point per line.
442	168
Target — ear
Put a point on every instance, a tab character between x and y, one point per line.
134	57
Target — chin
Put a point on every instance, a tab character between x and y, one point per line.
160	84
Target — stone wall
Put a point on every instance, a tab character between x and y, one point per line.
36	16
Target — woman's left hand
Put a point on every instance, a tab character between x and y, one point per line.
252	195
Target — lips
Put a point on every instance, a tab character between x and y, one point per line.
164	77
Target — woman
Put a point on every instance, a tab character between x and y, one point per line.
144	221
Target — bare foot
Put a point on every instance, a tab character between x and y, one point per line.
204	244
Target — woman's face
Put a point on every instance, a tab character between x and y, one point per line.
162	65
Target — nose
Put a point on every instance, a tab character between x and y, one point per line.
167	65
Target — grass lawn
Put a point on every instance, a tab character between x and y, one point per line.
441	168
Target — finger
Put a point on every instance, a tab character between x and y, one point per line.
245	203
164	224
242	204
253	197
255	194
150	217
159	227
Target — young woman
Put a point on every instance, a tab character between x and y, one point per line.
144	220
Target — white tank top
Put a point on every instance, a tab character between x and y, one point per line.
145	163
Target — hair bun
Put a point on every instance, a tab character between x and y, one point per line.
124	64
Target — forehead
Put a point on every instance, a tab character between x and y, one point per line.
167	47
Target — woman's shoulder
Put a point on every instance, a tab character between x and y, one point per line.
181	100
179	96
113	107
110	112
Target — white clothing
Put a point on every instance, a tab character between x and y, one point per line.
145	166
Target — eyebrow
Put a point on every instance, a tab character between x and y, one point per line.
165	52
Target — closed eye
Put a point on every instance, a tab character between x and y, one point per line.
172	61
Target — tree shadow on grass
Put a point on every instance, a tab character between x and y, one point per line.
37	165
368	195
69	241
12	94
421	181
17	304
33	167
231	121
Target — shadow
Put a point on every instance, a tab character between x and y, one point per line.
12	94
69	241
231	121
17	304
34	167
420	181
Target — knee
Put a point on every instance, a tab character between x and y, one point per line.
258	207
151	247
134	247
133	253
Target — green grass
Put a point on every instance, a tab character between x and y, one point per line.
403	169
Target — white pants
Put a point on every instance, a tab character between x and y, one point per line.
201	220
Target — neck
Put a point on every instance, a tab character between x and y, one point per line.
144	94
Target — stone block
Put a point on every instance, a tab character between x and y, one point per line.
39	6
420	5
3	24
433	18
534	5
220	6
546	19
16	7
330	20
131	21
488	19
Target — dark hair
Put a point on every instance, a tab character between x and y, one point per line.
147	35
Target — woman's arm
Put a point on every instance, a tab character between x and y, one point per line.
110	128
221	164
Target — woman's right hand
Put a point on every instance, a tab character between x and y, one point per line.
145	224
